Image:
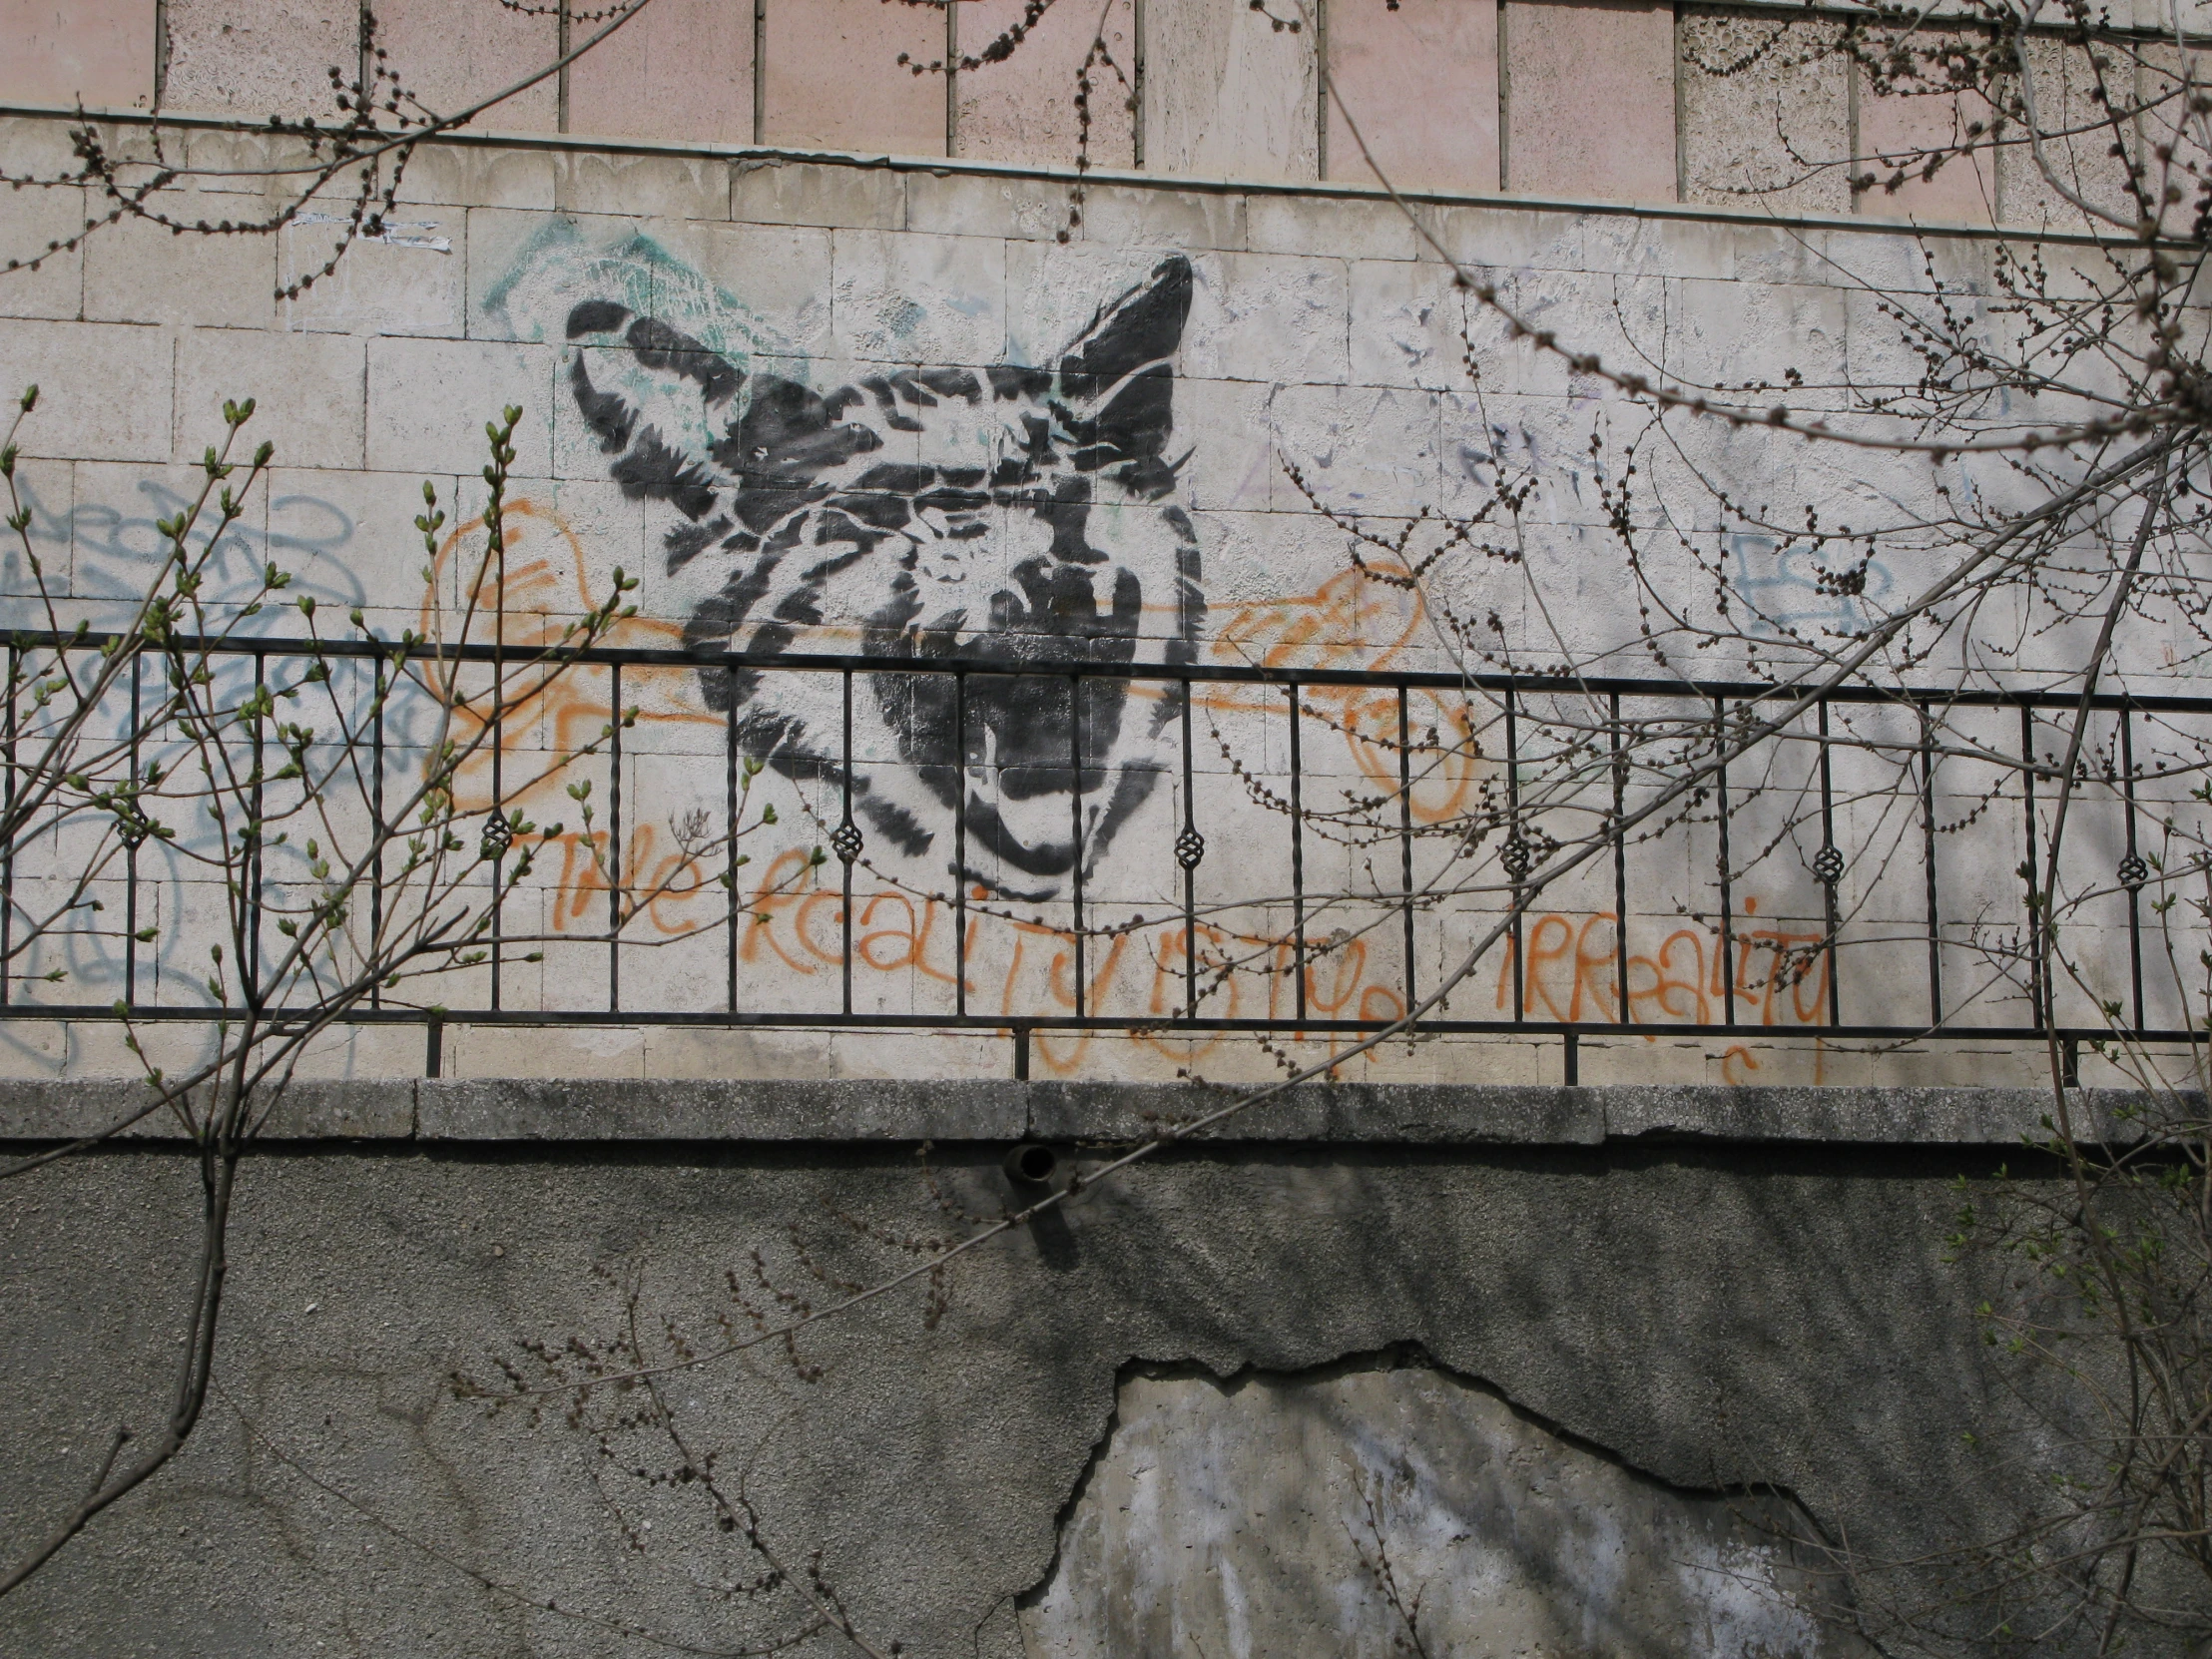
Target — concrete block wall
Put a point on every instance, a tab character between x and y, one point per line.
1604	100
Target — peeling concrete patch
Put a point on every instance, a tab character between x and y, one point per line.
1380	1509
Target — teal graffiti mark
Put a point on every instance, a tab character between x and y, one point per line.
559	265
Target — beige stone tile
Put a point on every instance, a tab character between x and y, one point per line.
831	76
1590	99
1508	239
267	167
259	58
917	299
506	299
36	218
452	54
43	144
655	187
1759	334
1270	316
1407	324
2076	151
1774	131
348	537
94	52
681	69
408	280
742	289
1363	451
105	390
779	276
1641	246
1023	107
1420	83
1234	467
967	204
115	547
480	175
308	391
1054	290
139	271
1158	216
1346	229
1229	93
428	400
613	1050
816	193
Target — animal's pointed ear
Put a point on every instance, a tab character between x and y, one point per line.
656	399
1142	327
1117	382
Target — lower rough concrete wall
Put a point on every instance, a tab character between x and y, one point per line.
1223	1406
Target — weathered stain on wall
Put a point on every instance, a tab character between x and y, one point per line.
1371	1510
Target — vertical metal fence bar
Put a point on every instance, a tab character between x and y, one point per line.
2038	1000
1620	861
1728	900
2131	866
1512	849
1927	871
1827	886
614	845
733	908
1406	842
1075	811
498	794
959	843
132	842
844	834
377	823
1188	852
1297	860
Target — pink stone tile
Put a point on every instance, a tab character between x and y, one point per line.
64	51
453	53
831	76
682	69
1022	109
1892	130
1421	83
1230	91
1589	98
261	57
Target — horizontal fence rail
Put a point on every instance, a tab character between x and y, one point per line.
1248	827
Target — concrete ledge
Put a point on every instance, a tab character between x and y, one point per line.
1869	223
458	1109
461	1110
376	1109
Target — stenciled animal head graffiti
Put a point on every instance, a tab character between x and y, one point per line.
1016	515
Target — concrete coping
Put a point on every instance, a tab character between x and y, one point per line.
433	1111
767	155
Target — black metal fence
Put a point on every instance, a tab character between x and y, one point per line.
1543	765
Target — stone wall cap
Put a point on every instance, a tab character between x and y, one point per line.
866	1111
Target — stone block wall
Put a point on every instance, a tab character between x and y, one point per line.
1309	354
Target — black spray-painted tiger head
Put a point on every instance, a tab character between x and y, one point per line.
1024	516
